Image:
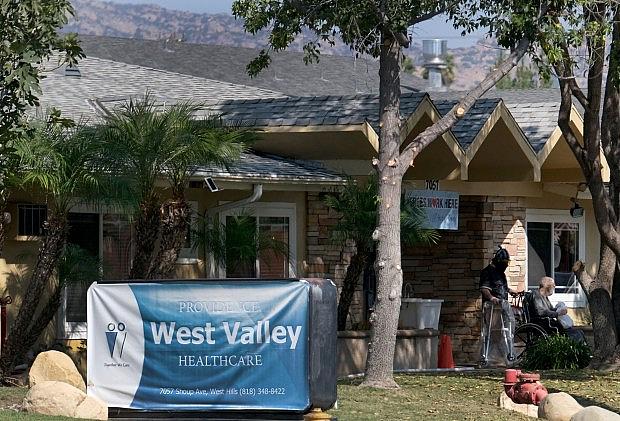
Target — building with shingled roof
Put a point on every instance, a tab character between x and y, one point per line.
505	162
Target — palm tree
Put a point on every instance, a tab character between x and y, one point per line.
62	164
75	267
146	143
357	205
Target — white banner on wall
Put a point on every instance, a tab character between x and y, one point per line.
441	208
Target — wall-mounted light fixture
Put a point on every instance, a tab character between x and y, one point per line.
576	211
210	183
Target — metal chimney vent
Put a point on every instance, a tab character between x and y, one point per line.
72	71
434	52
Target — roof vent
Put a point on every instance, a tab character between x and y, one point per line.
434	52
72	71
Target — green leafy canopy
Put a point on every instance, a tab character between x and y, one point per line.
361	23
28	39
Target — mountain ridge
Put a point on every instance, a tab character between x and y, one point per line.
145	21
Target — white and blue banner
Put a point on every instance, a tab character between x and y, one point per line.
441	208
199	345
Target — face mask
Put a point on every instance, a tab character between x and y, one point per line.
501	266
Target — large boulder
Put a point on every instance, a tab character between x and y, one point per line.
55	366
558	407
62	399
595	413
526	409
92	408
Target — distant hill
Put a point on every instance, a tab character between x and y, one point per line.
153	22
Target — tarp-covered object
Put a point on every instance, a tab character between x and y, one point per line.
220	345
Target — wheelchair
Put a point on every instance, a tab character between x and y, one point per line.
527	332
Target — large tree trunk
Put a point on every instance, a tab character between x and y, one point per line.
351	279
175	222
600	132
3	222
615	297
2	229
384	320
391	168
47	313
598	292
147	230
49	254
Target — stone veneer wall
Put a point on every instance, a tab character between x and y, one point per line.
450	270
324	258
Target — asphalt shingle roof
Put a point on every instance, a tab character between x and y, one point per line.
287	73
263	167
101	78
534	110
467	128
111	82
310	111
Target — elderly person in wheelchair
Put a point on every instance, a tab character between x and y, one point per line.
553	319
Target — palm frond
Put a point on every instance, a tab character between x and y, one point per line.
412	221
62	163
77	266
236	243
357	206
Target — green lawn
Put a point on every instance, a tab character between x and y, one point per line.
470	396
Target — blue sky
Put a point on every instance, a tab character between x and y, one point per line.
436	28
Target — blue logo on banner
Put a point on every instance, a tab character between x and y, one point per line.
112	334
242	345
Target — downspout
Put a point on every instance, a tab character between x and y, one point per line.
257	192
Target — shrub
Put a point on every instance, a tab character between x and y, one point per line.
557	352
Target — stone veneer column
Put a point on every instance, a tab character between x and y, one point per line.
450	270
324	258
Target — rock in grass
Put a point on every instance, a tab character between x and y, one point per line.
558	407
55	366
595	413
92	409
62	399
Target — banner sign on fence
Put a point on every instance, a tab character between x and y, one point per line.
220	345
440	207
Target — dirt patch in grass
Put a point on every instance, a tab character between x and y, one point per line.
470	396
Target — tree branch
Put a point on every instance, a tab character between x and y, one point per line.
430	15
458	111
610	126
584	278
566	106
568	75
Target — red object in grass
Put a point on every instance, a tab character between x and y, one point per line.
524	387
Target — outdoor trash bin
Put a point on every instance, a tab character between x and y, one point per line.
419	313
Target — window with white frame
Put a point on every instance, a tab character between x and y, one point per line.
555	240
269	230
